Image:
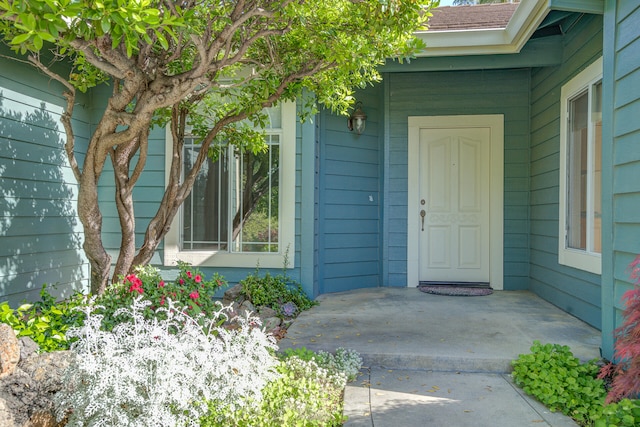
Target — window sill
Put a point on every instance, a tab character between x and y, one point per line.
223	259
581	260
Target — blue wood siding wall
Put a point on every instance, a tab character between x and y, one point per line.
459	93
621	184
349	200
41	237
575	291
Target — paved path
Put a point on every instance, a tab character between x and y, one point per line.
436	360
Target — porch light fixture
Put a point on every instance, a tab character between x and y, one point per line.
357	120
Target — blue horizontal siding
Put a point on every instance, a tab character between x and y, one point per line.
574	291
40	231
349	217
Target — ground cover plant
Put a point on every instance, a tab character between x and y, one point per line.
46	321
305	394
594	395
559	380
554	376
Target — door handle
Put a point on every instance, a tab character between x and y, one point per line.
422	214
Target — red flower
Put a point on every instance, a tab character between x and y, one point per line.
181	281
194	295
162	300
136	283
161	284
189	274
198	278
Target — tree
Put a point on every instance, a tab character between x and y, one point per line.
207	66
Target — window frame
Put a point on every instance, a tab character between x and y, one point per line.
286	216
577	258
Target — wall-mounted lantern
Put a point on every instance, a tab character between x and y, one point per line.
358	119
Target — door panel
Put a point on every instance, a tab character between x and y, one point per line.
454	185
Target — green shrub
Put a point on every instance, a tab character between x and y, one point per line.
304	395
46	322
555	377
625	413
280	293
191	291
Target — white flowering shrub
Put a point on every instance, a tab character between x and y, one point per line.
152	372
344	360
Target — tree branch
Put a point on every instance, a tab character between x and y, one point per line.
65	118
93	59
143	142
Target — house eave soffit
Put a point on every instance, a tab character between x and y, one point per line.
524	22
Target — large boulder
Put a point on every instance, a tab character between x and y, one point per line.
26	395
9	350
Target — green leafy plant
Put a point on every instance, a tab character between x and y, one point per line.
279	292
300	352
553	375
46	322
191	291
625	413
304	395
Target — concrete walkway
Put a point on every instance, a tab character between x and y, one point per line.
437	360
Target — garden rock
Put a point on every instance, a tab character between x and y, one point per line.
240	304
27	347
9	350
233	294
266	312
247	306
270	324
26	396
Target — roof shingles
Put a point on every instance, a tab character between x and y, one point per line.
474	17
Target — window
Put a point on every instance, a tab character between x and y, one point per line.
580	241
240	212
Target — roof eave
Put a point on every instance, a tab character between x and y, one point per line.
511	39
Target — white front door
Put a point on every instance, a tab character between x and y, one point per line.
455	235
454	202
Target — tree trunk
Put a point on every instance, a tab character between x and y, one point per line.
91	219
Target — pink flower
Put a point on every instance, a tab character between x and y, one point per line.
162	300
189	274
181	281
198	278
194	295
161	284
136	283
